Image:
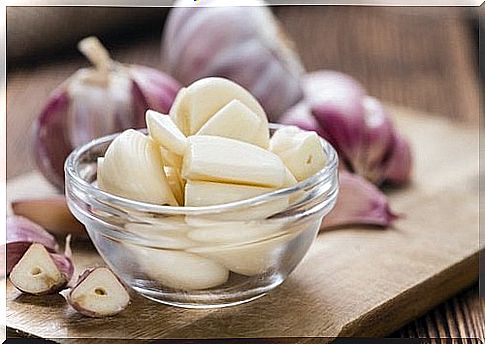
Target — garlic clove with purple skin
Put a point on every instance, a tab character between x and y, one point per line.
40	271
359	203
399	164
335	101
21	233
94	102
251	50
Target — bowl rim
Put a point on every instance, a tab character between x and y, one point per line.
325	175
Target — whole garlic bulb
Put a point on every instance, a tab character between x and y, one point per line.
244	44
94	102
357	125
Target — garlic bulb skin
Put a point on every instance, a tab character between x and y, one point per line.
97	101
243	43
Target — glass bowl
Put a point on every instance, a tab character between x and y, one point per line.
200	257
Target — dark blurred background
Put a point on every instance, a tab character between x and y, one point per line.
425	58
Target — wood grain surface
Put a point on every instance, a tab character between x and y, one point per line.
424	58
353	282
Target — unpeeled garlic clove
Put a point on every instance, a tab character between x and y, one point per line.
399	165
252	49
132	168
359	203
338	109
52	214
21	233
98	293
94	102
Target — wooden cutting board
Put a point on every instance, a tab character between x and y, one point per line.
353	282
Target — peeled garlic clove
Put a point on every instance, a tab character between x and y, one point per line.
21	233
359	203
94	102
233	232
51	213
161	235
165	132
252	49
251	259
205	97
179	270
218	159
176	184
37	273
199	193
301	151
98	293
237	121
132	168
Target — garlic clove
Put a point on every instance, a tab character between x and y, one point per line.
359	203
219	159
21	233
161	235
51	213
200	193
165	132
98	293
249	260
233	232
132	168
178	111
178	270
236	121
36	272
301	151
202	99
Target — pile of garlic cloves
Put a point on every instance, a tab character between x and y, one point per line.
214	147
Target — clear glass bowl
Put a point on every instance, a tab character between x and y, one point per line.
200	257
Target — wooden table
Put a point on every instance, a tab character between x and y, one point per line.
421	58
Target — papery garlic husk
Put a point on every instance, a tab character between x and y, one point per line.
40	271
359	203
21	233
357	125
245	44
52	214
97	101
